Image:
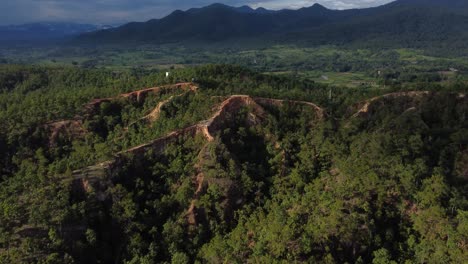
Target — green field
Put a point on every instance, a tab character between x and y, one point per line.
324	64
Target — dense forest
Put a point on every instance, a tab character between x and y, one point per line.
221	164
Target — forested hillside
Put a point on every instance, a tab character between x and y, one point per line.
221	164
401	24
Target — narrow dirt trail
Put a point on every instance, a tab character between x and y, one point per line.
153	116
365	108
139	95
209	127
191	214
277	102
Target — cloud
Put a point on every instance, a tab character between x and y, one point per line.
119	11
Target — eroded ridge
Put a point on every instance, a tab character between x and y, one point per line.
365	106
211	126
277	102
139	95
207	129
74	128
154	115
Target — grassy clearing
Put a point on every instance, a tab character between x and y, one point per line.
345	79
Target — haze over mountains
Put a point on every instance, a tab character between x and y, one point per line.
414	23
44	31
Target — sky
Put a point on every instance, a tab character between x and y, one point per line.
121	11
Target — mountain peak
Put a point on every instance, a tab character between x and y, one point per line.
318	6
217	5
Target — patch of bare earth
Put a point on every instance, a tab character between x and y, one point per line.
65	128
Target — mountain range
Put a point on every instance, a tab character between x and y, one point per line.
406	23
44	31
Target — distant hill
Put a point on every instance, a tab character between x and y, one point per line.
405	23
43	32
216	22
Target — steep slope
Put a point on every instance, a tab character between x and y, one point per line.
220	183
